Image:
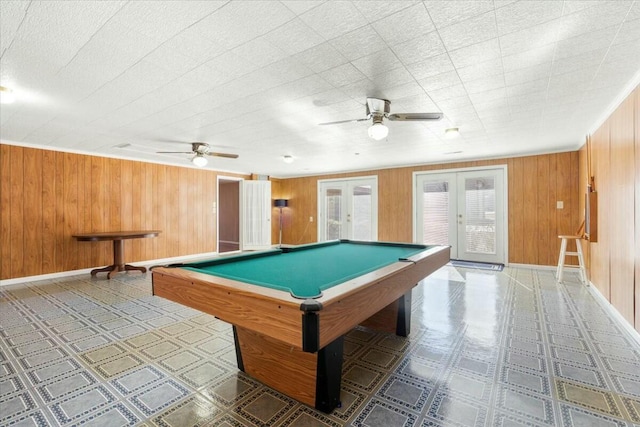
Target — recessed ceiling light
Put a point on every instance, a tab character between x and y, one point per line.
451	133
6	95
287	159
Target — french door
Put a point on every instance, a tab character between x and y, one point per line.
348	209
463	209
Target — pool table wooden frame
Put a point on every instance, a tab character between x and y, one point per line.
294	345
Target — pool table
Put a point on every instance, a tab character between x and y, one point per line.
290	307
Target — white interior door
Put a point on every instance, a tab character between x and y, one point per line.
465	210
348	209
256	215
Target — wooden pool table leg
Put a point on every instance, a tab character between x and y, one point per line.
311	378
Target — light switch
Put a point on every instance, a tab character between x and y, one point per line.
559	204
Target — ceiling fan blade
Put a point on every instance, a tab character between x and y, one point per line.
415	117
227	155
345	121
174	152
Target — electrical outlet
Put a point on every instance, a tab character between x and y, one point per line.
310	219
559	204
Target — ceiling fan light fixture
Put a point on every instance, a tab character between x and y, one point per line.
451	133
199	160
6	95
378	131
287	159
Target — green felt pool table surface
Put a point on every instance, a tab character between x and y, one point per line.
305	271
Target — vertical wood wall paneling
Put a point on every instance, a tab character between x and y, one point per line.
49	203
182	199
172	220
98	209
622	216
5	211
198	193
70	211
126	205
160	208
516	205
553	241
530	233
197	196
80	209
32	197
86	209
544	211
211	218
115	196
16	207
395	205
563	218
147	211
137	187
600	250
276	193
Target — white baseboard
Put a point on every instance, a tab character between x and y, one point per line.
615	313
531	266
57	275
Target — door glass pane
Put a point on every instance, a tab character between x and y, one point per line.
480	214
333	202
361	209
435	208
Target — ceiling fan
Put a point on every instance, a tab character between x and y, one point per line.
379	109
200	149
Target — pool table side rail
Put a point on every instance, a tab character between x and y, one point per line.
360	298
268	311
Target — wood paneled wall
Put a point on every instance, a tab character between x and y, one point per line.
47	196
614	152
535	184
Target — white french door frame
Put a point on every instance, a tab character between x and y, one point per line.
505	198
351	180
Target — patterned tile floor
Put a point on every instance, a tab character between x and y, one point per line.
507	348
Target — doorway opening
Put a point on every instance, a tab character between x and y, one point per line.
228	215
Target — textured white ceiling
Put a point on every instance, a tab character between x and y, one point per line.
129	78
